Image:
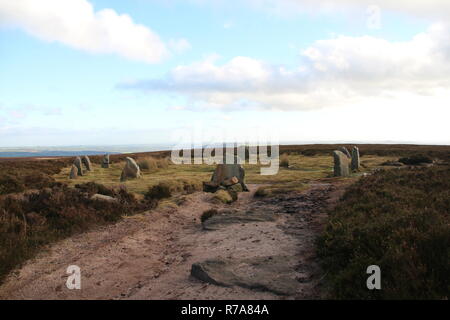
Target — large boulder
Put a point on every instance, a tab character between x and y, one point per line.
355	159
77	163
344	150
105	161
73	172
225	173
274	274
341	164
131	170
87	163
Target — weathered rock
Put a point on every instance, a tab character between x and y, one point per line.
231	181
210	186
73	172
105	161
224	172
344	150
131	170
87	163
77	163
341	164
355	159
102	197
272	274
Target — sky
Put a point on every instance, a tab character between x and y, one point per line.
97	72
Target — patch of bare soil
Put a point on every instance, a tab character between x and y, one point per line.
258	249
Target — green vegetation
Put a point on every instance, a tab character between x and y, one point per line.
223	196
398	220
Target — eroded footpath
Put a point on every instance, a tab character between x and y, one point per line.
255	248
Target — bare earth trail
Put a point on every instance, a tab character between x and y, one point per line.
261	249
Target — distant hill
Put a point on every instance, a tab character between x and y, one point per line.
51	153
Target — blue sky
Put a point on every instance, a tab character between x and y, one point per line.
305	72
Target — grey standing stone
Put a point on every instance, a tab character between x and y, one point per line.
87	163
73	172
355	158
77	163
224	172
341	164
131	170
345	151
105	161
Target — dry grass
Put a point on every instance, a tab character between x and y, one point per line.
188	178
153	164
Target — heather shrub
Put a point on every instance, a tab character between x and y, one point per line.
10	184
398	220
159	191
17	176
415	159
92	188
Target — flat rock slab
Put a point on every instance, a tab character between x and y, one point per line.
227	217
273	274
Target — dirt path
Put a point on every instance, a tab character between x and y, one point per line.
255	249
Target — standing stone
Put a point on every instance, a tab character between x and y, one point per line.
345	151
131	170
73	172
341	164
105	161
355	158
87	163
77	163
224	172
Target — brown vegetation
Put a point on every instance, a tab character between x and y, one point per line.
396	219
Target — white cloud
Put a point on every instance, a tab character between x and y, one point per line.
179	45
76	24
228	25
338	71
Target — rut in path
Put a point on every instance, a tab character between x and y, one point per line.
150	255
